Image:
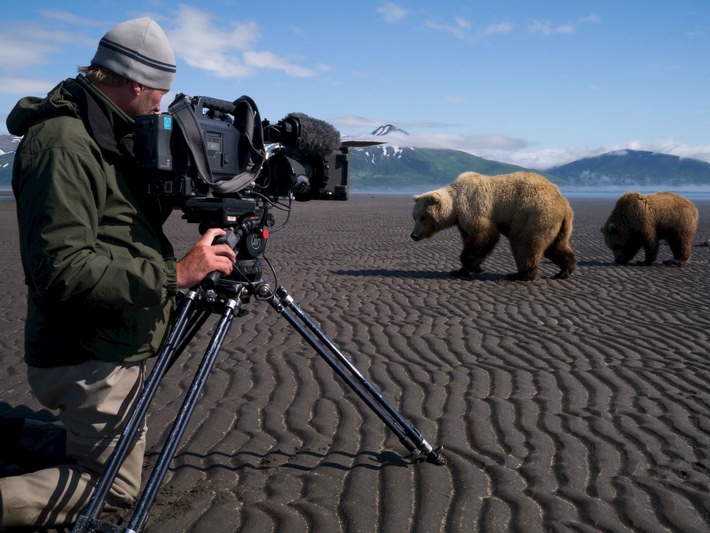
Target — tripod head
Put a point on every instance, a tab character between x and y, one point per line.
246	223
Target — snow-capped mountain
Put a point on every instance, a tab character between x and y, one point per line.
388	129
8	145
397	166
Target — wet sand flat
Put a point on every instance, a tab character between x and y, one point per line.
562	405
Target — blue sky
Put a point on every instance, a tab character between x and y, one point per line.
518	81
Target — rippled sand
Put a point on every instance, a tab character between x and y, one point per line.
562	405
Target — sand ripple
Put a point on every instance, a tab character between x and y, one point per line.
577	405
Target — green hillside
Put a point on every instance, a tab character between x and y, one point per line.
386	167
635	168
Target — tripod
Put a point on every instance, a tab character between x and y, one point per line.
226	298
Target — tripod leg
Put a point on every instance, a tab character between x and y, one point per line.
185	315
140	515
405	431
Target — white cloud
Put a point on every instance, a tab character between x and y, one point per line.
25	86
547	27
298	31
539	159
591	18
269	60
457	29
392	12
462	23
545	158
226	54
19	54
427	138
71	18
670	146
501	27
356	121
28	45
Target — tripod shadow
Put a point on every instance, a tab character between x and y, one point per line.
301	460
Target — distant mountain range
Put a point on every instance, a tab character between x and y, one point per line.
8	144
634	168
395	167
392	167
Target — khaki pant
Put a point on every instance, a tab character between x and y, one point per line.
94	400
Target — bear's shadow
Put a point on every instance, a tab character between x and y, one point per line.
595	263
385	273
447	274
418	274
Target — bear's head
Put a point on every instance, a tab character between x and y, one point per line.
432	212
616	238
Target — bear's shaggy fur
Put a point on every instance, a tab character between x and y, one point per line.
523	206
642	220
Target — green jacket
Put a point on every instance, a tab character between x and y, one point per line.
100	272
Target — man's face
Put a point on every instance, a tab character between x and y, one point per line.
146	102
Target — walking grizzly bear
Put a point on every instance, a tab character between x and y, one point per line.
525	207
642	220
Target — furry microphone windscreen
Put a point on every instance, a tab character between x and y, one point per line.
317	137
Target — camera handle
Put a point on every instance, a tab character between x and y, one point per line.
193	310
231	238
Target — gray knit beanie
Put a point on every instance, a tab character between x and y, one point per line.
139	51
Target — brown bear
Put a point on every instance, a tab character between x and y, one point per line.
642	220
525	207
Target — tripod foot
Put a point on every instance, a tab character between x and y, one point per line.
433	457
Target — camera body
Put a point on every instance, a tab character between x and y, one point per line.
207	147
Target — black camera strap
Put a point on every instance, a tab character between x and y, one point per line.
184	114
246	118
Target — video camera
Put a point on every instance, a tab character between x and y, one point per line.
208	147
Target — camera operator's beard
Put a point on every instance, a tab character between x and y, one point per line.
147	102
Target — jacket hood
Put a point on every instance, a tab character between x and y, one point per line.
31	109
68	99
78	98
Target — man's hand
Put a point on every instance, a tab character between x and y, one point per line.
205	258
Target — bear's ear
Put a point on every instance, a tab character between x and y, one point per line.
427	199
433	199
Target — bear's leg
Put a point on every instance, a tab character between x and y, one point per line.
474	252
651	252
628	251
682	247
562	255
527	258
